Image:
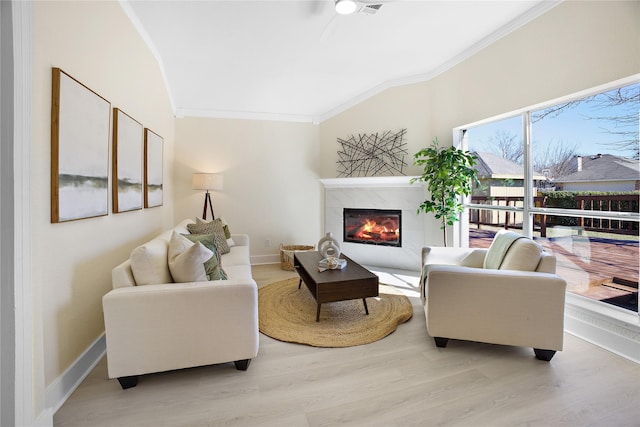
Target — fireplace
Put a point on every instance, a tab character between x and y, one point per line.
373	226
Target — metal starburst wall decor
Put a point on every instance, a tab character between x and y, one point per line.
376	154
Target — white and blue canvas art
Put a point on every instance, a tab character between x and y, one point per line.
128	144
79	150
153	169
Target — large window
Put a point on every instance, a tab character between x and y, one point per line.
568	175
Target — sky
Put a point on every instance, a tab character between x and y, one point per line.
572	126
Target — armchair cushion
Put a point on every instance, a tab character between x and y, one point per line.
500	245
523	255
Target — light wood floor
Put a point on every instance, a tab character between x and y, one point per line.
401	380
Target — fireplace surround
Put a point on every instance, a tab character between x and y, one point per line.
380	193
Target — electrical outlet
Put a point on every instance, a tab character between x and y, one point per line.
267	243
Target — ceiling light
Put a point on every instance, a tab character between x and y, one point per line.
345	7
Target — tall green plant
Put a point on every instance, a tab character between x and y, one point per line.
449	174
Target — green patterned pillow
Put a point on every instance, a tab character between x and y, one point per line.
225	227
213	266
214	227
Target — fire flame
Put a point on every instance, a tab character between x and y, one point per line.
372	230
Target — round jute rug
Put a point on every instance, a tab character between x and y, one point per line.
289	314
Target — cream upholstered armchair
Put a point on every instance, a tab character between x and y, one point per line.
508	294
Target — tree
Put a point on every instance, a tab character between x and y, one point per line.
449	174
624	124
507	145
557	158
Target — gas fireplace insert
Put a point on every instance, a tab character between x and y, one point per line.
373	226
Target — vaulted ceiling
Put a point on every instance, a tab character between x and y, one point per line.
300	60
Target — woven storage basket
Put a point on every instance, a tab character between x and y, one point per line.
287	252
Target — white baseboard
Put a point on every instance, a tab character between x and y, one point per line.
61	388
612	328
265	259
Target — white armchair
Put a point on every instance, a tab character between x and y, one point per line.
508	294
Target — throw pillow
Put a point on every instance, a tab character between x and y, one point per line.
225	228
212	227
149	263
212	266
523	255
501	243
186	259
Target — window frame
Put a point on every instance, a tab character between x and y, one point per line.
528	210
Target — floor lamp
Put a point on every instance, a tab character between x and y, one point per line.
208	182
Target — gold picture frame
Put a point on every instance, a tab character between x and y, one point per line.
153	170
79	150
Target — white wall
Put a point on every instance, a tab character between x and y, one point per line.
404	107
71	262
271	170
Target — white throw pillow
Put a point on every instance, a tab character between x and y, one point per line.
186	259
149	263
523	255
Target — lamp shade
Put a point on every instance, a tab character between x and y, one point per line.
206	181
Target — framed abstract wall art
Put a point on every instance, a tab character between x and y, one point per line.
79	150
128	142
152	169
373	154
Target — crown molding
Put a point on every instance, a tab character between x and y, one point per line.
245	115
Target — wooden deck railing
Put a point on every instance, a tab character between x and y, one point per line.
611	203
608	203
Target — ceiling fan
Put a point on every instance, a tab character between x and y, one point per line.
347	7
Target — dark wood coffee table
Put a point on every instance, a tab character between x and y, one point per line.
352	282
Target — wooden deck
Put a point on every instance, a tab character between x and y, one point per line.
588	264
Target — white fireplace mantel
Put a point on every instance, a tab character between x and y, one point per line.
369	181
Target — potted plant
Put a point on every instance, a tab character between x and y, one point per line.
449	174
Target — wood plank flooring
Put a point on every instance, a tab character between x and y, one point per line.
401	380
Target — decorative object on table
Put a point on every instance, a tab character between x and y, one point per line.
153	181
208	182
286	314
331	263
449	174
328	246
79	150
287	252
128	142
372	154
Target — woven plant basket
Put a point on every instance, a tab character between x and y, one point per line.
287	252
